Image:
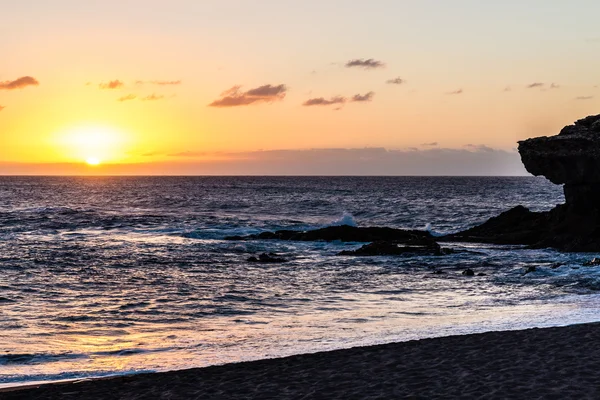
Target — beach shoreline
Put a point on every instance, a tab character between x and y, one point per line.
559	362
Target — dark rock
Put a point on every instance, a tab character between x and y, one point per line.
530	269
414	245
571	158
481	274
344	233
438	272
267	258
515	226
468	272
591	263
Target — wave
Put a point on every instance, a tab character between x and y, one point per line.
18	380
345	219
44	358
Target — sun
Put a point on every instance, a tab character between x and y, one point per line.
93	161
93	144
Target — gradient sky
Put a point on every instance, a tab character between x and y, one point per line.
436	87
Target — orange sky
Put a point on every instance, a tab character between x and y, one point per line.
193	87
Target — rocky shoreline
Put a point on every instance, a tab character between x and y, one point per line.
571	158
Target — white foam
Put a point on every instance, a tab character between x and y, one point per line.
345	219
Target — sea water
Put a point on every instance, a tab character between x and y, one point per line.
116	275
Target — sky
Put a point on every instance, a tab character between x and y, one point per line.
385	87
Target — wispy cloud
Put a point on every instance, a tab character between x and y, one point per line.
328	161
191	153
19	83
470	160
508	89
363	97
554	86
235	97
432	144
152	97
116	84
2	108
479	148
159	82
459	91
584	98
321	101
535	85
368	63
396	81
127	98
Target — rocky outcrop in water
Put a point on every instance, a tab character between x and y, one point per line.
344	233
381	241
413	246
571	158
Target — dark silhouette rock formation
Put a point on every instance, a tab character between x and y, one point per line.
417	245
571	158
344	233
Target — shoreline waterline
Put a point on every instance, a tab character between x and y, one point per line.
518	350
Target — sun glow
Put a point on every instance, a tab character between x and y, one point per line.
94	144
93	161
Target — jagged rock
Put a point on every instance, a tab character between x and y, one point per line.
571	158
267	258
344	233
592	263
468	272
515	226
415	245
530	270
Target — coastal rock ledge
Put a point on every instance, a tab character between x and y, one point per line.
571	158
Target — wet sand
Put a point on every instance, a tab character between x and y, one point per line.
550	363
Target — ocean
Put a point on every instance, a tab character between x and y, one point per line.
105	276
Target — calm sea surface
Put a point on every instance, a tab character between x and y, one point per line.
102	276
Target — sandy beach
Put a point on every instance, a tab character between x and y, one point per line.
550	363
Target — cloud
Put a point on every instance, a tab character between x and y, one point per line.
152	97
19	83
190	153
116	84
432	144
263	94
164	83
508	89
363	97
127	98
535	85
479	148
2	108
161	83
395	81
554	86
329	161
471	160
365	63
459	91
584	98
321	101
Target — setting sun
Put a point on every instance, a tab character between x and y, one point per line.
92	161
93	144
